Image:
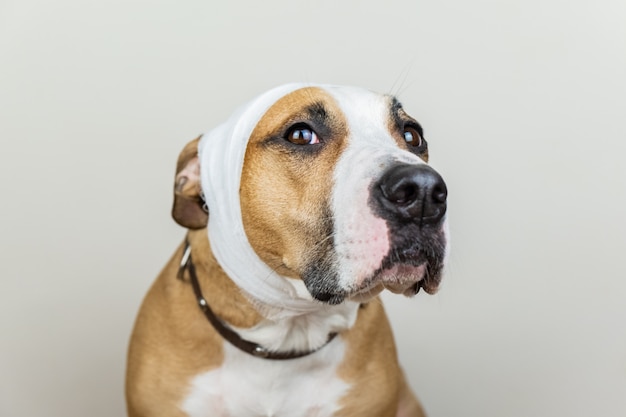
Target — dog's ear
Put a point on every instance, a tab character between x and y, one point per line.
188	209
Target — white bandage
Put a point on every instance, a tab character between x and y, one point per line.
221	153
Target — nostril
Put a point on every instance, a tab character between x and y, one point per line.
439	194
402	195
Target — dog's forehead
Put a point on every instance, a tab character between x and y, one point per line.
360	100
366	112
342	106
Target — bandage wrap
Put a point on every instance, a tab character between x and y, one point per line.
221	153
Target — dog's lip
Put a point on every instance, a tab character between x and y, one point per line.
430	286
399	278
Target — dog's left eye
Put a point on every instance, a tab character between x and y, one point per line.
302	134
412	136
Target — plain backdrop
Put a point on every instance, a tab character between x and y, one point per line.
523	103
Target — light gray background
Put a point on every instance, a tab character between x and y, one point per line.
523	103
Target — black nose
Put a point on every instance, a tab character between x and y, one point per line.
413	193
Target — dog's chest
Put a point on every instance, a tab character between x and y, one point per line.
253	387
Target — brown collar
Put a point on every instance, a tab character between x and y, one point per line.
186	264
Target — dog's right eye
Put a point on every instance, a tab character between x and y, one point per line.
302	134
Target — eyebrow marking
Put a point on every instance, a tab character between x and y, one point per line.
326	122
396	106
400	118
317	113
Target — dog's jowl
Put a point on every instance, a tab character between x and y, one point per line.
300	209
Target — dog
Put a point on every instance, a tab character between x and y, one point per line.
301	208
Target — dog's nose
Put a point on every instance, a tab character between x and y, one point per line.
415	193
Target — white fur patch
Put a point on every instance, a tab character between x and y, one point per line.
303	332
246	386
361	237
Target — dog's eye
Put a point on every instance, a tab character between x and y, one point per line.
412	136
302	134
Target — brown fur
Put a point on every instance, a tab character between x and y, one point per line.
187	208
172	340
273	183
378	387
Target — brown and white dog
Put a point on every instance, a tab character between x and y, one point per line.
301	209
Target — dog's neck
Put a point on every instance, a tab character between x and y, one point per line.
225	298
283	331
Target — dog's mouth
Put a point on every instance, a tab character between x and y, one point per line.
404	271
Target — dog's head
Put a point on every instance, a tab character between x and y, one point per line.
327	185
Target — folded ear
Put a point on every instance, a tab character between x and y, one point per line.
188	209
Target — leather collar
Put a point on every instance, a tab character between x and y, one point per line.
186	264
